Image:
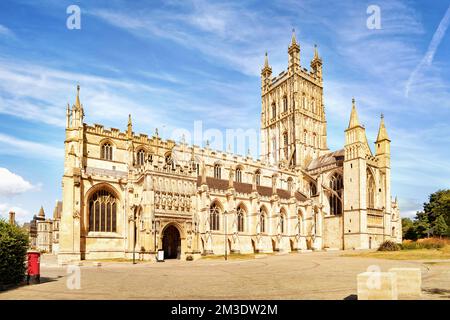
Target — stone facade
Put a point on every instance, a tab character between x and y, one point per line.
126	193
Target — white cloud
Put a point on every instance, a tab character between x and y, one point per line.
4	31
28	149
12	184
22	215
429	55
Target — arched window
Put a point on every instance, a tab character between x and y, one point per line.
305	137
274	110
102	212
314	140
312	189
285	104
262	220
290	184
337	186
106	152
240	219
258	177
217	171
299	222
393	232
274	148
313	106
370	196
304	102
238	175
214	217
141	157
282	223
286	145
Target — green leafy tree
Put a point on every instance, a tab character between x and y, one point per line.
408	231
440	227
438	205
13	251
422	225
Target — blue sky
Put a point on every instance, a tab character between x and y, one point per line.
174	62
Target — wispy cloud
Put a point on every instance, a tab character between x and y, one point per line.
433	46
10	145
4	31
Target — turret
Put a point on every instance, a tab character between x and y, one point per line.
316	64
355	166
129	128
294	55
74	117
355	137
383	145
266	75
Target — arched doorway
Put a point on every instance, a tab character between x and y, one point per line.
171	243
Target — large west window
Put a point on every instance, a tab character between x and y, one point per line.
103	212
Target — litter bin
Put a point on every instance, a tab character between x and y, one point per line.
34	268
160	256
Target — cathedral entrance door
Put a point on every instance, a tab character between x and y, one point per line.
171	243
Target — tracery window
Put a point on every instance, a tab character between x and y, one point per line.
262	220
336	184
102	212
106	151
141	157
238	175
240	219
214	217
370	191
217	171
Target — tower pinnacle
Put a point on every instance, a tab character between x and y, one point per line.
382	132
354	121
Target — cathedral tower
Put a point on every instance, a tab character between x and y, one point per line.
71	183
293	125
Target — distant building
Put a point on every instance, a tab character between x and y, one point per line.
44	233
55	227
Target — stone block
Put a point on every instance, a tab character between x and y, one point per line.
377	286
409	281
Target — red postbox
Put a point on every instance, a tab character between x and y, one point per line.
34	267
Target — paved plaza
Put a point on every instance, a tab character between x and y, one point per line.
316	275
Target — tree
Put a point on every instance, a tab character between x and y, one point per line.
438	205
440	227
408	231
422	225
13	251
